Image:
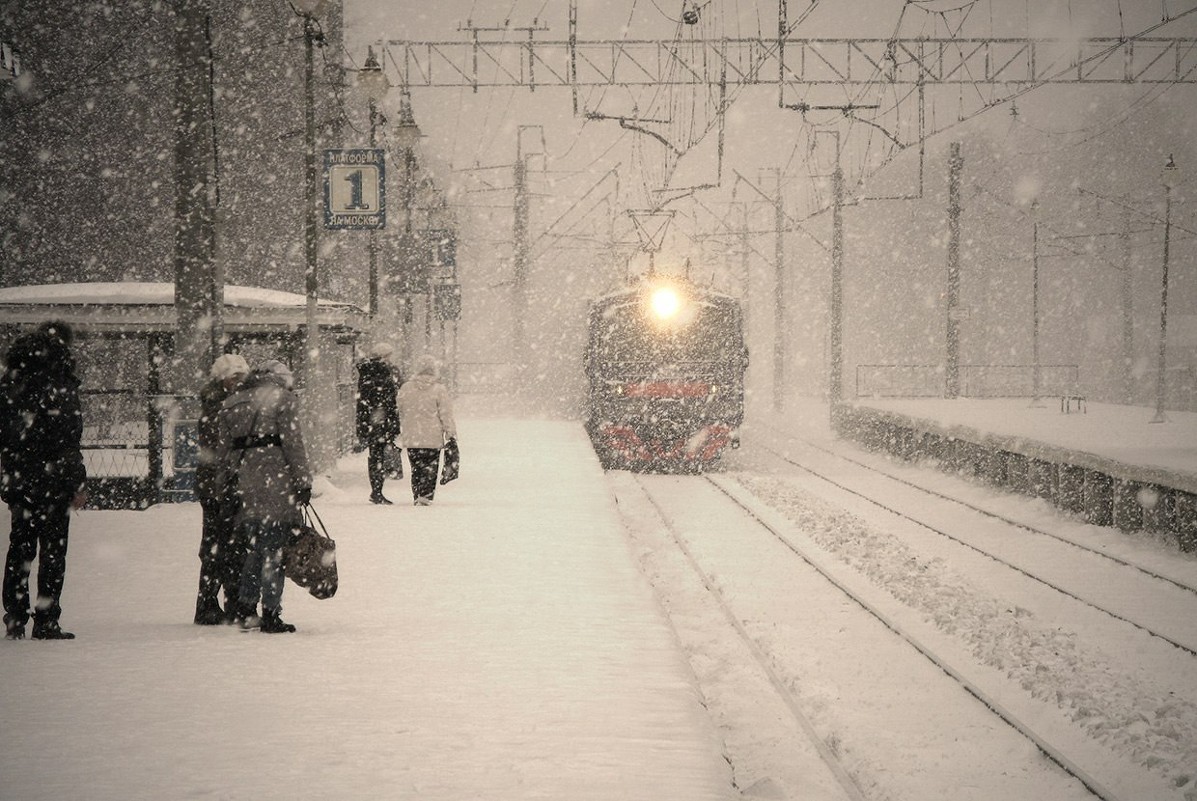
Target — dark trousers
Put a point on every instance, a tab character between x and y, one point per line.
262	571
376	465
222	555
37	531
425	462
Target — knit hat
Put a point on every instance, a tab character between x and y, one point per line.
426	365
228	365
275	367
381	350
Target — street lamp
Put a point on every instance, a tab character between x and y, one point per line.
406	134
373	82
1168	178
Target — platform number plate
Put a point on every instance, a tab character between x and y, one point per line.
354	188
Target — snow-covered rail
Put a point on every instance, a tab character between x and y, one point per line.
736	566
836	577
1123	589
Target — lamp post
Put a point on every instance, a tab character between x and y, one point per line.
406	134
1168	178
373	82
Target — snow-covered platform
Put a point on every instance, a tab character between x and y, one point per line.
1108	462
499	644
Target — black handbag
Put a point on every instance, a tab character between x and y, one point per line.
310	556
392	461
452	468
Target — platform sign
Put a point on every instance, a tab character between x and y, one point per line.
354	188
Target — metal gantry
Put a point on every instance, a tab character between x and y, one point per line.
479	63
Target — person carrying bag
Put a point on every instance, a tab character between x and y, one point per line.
260	439
428	427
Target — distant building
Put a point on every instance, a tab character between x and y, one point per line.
87	152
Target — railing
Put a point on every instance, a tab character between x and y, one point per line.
976	380
139	450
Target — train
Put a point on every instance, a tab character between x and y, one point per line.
665	363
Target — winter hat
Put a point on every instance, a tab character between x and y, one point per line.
228	365
381	350
426	365
275	367
57	330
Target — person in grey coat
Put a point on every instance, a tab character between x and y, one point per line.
426	414
260	439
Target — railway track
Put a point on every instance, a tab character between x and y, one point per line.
1183	584
755	516
1128	592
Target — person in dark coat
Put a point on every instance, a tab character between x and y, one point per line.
377	414
427	415
41	474
222	550
260	439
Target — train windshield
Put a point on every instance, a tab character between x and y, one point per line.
710	336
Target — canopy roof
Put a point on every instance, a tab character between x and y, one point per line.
144	306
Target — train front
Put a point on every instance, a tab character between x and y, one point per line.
665	363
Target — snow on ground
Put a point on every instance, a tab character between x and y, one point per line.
499	644
1121	694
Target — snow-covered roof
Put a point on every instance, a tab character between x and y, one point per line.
150	306
145	292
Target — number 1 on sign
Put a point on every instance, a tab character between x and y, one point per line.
355	191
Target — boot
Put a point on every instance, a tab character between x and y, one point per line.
208	612
14	628
273	624
246	616
378	497
49	630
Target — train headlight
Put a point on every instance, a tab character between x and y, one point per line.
665	303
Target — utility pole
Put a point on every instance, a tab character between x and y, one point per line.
1036	363
836	381
952	367
519	288
779	299
1161	383
196	293
1128	309
745	266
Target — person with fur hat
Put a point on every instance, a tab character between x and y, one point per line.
427	416
260	440
222	549
377	414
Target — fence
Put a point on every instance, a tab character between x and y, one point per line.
976	380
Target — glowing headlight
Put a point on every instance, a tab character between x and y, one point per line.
665	302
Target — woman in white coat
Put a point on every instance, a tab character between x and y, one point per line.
426	415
